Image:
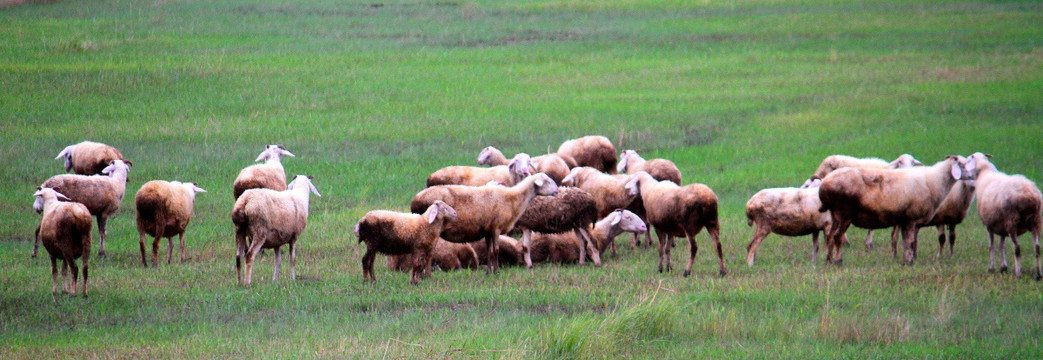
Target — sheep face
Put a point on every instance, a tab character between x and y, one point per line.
115	166
905	161
545	186
961	169
628	221
302	181
273	152
520	166
485	157
975	163
812	182
439	208
41	193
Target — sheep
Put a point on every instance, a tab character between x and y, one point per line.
786	211
1008	205
509	251
571	210
674	210
630	162
102	194
562	248
65	231
951	213
394	233
833	162
269	175
446	255
88	157
551	164
610	192
876	198
164	210
265	218
515	170
485	211
593	151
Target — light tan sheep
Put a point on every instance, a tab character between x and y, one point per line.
515	170
65	231
630	162
102	194
446	256
879	198
164	210
674	210
265	218
551	164
394	233
88	157
788	212
1009	205
269	175
564	247
593	151
485	212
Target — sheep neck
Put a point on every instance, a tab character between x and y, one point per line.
300	193
496	158
273	161
604	232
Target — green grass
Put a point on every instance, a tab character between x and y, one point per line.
374	96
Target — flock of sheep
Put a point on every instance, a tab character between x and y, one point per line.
568	206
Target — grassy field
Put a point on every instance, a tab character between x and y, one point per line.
373	96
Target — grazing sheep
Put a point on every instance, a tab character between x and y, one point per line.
88	157
265	218
593	151
102	194
515	170
65	231
786	211
674	210
446	256
564	247
630	162
164	210
394	233
509	251
1009	205
484	211
551	164
878	198
571	210
269	175
610	192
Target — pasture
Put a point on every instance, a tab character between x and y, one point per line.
374	96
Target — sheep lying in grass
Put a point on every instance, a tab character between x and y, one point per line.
269	175
878	198
445	255
265	218
164	210
674	210
65	231
515	170
88	157
484	211
610	192
102	194
1009	205
551	164
564	248
630	162
509	251
394	233
571	210
789	212
593	151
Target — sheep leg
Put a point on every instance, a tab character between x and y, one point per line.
952	239
1017	254
582	247
181	238
86	255
101	231
1003	254
836	234
1035	241
693	249
669	245
612	247
36	241
170	249
65	275
490	253
54	275
814	248
941	239
278	263
715	235
155	250
251	256
592	249
908	231
869	240
992	252
367	264
526	240
240	249
141	246
293	260
75	273
759	233
894	242
637	241
662	241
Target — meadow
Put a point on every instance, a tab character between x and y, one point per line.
373	96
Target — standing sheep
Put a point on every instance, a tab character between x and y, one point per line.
65	231
879	198
1009	205
786	211
102	194
484	211
393	233
265	218
563	248
164	210
269	175
610	192
88	157
551	164
630	162
445	255
674	210
593	151
571	210
951	213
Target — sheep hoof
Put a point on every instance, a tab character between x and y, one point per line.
839	262
1003	269
1038	277
723	273
992	270
686	273
660	269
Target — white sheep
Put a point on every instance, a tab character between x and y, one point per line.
788	212
394	233
269	175
88	157
551	164
102	194
593	151
265	218
1009	205
65	231
164	210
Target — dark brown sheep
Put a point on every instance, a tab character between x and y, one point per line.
570	210
674	210
164	210
65	231
564	247
446	255
394	233
88	158
593	151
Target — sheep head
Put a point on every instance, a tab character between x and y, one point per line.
520	167
439	208
628	221
273	152
904	161
545	186
485	157
67	154
42	194
303	181
117	167
962	169
624	159
812	182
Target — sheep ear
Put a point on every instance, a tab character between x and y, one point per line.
971	165
197	188
283	151
622	166
917	162
617	217
313	189
129	163
264	155
539	182
62	196
988	156
956	171
569	178
431	213
65	152
632	186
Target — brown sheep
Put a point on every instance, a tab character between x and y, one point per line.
610	192
65	231
394	233
88	157
484	211
164	210
593	151
571	210
102	194
551	164
269	175
265	218
564	247
509	251
630	162
1009	205
674	210
515	170
446	256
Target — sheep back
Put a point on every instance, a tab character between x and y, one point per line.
89	158
787	211
480	209
65	230
96	192
554	248
676	210
833	162
552	165
163	209
593	151
569	209
394	233
1009	205
272	215
260	176
470	176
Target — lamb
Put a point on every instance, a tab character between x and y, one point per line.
878	198
593	151
446	255
102	194
610	192
484	211
571	210
164	210
269	175
515	170
551	164
674	210
265	218
394	233
88	157
789	212
630	162
509	251
1009	205
65	231
563	248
